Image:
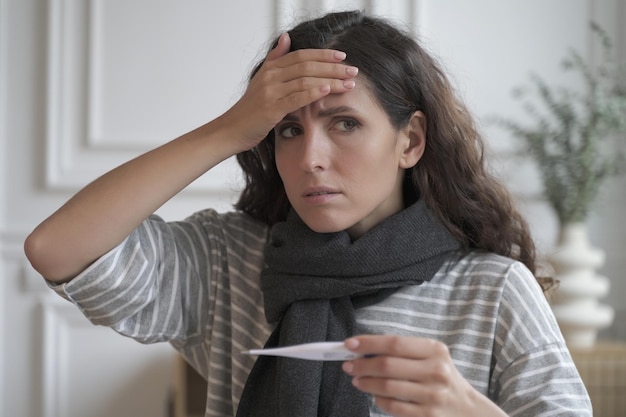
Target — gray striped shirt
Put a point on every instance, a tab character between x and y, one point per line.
195	283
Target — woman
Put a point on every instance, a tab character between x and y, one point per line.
367	217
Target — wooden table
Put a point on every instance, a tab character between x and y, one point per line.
189	391
603	370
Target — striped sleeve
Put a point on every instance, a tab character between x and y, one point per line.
534	373
151	287
194	283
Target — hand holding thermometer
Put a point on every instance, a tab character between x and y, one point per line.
320	351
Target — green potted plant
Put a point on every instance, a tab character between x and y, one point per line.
577	140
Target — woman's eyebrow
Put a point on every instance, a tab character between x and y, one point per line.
323	113
335	110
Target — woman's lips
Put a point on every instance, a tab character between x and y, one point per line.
319	195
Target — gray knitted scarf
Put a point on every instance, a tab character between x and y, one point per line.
311	286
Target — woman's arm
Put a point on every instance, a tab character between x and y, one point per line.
99	216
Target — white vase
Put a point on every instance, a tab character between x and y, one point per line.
575	304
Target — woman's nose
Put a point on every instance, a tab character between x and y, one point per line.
315	151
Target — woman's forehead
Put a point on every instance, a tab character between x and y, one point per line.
358	100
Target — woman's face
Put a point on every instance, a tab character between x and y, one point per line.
342	162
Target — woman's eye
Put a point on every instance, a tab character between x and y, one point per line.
346	125
289	131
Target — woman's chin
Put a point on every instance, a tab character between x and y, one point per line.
324	225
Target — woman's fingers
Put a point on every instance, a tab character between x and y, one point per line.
315	69
402	390
398	346
303	91
400	408
303	55
310	75
306	62
415	370
403	358
282	48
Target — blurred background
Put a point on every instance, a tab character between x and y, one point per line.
88	84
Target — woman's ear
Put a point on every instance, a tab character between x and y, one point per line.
413	140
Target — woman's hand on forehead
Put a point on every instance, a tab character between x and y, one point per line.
286	82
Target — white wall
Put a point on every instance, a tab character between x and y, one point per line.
87	84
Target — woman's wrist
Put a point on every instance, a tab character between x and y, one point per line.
483	406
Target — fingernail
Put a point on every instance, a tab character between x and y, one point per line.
352	71
347	367
351	343
349	83
340	55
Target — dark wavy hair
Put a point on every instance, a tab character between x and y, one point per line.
451	176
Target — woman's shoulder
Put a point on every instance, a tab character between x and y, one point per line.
478	263
231	224
213	215
476	267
